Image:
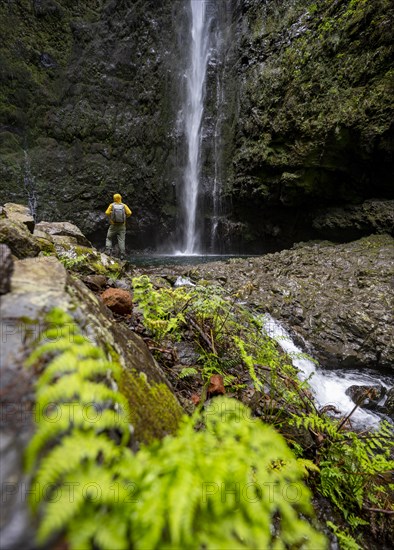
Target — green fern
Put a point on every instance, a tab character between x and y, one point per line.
188	371
88	369
156	499
233	492
249	362
83	424
349	465
75	449
318	424
75	388
346	541
162	310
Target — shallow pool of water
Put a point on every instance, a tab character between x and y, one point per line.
166	259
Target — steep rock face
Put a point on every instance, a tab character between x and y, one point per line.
87	100
298	113
315	122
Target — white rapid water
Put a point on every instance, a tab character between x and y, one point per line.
198	62
328	386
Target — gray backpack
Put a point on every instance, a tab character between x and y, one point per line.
118	214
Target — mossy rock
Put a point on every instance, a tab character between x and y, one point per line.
164	411
18	238
155	411
46	246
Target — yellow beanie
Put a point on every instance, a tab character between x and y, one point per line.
117	197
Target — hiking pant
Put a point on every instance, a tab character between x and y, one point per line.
118	230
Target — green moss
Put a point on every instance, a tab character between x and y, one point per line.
99	268
46	246
325	90
154	409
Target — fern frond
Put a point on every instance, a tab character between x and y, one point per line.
47	433
111	534
59	514
187	371
81	490
73	388
75	449
61	346
76	415
66	363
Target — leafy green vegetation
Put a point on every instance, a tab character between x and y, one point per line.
350	470
224	479
233	484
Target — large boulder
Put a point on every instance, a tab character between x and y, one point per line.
68	231
16	235
367	397
389	403
38	285
20	213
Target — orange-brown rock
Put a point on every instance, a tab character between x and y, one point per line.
216	385
118	300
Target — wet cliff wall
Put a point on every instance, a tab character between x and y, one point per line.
87	100
298	116
315	122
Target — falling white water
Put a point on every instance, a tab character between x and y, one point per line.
217	154
327	386
29	184
199	54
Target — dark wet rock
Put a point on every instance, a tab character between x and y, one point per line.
19	213
47	8
120	283
19	239
338	298
186	353
373	216
6	268
64	229
302	144
118	300
367	397
47	61
100	100
95	282
389	403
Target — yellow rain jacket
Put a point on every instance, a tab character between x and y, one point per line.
118	200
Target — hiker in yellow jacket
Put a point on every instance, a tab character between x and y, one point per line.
117	213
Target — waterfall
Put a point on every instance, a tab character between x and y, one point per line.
195	76
216	191
29	184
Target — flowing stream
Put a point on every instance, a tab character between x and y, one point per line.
329	386
195	76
